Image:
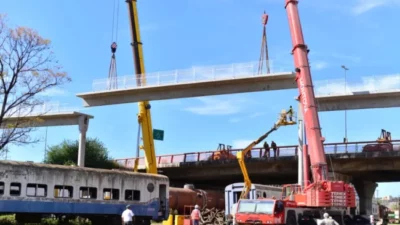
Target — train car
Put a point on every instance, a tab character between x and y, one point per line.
34	190
233	191
179	198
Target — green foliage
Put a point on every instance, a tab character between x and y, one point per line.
10	220
66	153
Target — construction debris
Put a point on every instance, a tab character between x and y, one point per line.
212	216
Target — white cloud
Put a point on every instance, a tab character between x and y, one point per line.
251	116
213	106
243	143
372	84
354	59
56	91
364	6
320	65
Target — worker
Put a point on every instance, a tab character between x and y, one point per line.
275	148
290	114
267	150
127	216
328	220
195	216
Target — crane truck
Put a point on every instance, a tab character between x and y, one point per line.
302	204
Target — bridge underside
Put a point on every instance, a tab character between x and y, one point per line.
269	82
282	171
361	100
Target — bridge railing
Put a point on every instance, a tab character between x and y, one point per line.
292	150
181	76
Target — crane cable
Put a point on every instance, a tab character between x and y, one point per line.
112	73
264	46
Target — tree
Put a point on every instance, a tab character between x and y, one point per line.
66	153
27	69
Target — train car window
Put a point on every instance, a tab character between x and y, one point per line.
61	191
15	189
110	194
132	195
88	192
1	188
36	190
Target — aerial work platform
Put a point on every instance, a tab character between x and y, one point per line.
194	82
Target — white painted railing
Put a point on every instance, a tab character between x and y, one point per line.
43	109
190	75
372	84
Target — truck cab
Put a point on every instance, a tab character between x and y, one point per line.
260	211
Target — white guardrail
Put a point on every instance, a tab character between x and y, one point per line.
381	83
42	109
371	84
190	75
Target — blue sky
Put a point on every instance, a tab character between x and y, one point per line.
181	34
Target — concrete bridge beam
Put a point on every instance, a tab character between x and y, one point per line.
365	190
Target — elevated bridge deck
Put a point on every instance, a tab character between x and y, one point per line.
196	167
369	92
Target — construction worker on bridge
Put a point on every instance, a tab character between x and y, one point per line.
267	150
328	220
275	148
196	215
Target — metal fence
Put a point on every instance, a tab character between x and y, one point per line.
42	109
332	149
372	84
190	75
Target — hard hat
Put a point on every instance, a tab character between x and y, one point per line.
196	206
326	215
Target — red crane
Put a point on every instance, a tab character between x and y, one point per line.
322	194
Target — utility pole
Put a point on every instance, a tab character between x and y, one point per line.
345	111
45	145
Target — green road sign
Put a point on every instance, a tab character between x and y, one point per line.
158	134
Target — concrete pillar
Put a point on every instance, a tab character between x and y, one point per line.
83	127
365	191
300	147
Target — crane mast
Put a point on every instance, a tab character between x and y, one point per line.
307	97
144	115
321	192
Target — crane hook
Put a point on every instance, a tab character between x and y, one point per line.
113	47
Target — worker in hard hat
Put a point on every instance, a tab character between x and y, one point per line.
275	148
328	220
196	215
267	150
290	114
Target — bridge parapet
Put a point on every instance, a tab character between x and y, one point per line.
332	149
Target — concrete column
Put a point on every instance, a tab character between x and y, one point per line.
83	123
365	191
300	147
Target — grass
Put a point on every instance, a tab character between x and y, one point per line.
10	220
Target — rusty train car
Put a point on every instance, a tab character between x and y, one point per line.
189	196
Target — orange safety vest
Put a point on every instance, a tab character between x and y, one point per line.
195	214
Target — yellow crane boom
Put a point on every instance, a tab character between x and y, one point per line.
144	116
282	121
